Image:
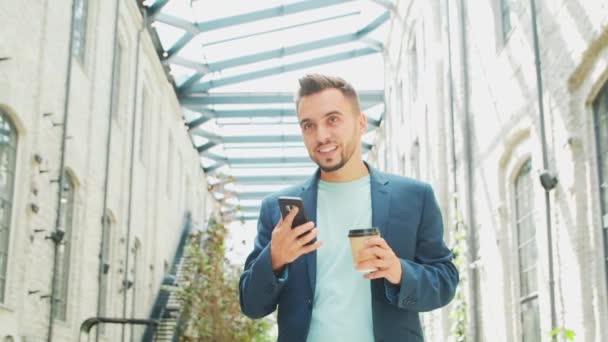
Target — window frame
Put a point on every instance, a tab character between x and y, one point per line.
5	245
143	123
117	80
506	26
108	225
532	297
602	183
62	281
80	30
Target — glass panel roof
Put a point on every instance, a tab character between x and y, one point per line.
235	66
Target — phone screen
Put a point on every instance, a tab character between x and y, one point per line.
287	203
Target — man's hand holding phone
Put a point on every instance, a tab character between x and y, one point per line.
288	244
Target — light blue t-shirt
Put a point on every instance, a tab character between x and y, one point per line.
342	309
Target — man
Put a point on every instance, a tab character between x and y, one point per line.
319	294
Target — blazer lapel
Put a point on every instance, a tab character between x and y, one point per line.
309	197
380	200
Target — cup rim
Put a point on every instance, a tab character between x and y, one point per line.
363	232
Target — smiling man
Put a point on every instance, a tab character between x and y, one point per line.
319	293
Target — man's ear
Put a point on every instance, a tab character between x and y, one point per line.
362	123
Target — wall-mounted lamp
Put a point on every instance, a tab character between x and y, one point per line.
57	236
127	284
34	208
548	180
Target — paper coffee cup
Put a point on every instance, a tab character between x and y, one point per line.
357	239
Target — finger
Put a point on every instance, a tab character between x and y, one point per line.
306	238
371	264
376	274
290	216
373	251
311	247
279	223
302	229
377	241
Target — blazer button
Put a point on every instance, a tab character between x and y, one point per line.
309	302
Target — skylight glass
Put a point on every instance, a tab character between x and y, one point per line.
251	55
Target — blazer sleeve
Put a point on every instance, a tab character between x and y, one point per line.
429	282
259	286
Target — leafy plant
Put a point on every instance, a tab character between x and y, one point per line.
459	306
210	295
566	334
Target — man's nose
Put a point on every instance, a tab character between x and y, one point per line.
323	134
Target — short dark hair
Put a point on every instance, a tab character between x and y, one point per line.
315	83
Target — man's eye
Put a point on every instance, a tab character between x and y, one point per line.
332	119
307	126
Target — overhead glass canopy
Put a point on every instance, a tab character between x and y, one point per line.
235	66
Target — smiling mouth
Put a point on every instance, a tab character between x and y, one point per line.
327	149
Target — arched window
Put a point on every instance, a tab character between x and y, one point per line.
8	154
108	223
80	29
600	109
527	255
66	222
414	70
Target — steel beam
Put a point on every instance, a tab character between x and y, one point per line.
155	8
290	50
299	48
179	44
252	195
281	28
366	98
176	22
373	25
205	86
269	179
283	51
254	113
283	10
237	139
256	160
187	63
268	13
388	4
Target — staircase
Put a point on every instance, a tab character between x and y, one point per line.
166	307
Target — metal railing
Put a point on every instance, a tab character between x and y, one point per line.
160	309
89	323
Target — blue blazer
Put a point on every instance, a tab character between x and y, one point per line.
409	219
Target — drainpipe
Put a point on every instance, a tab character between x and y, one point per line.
125	282
104	221
472	256
57	235
548	179
459	224
451	92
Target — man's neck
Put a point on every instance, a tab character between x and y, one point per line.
353	170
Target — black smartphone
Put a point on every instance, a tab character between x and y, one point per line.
286	204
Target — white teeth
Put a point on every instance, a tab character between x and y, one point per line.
327	149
